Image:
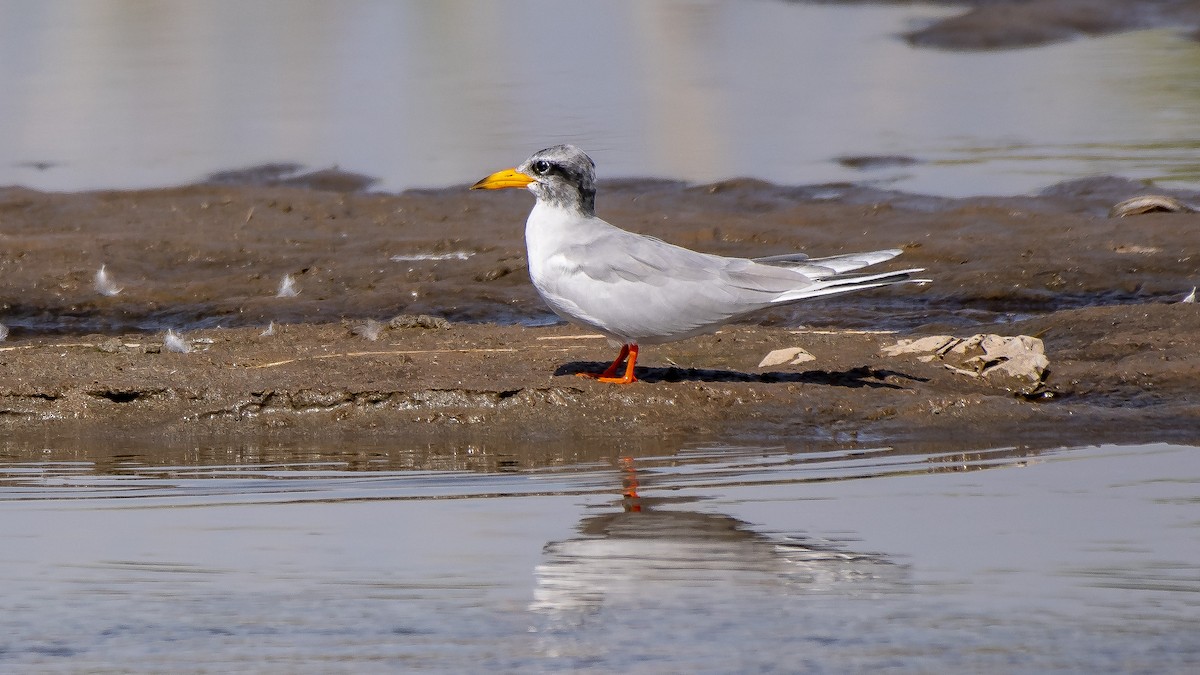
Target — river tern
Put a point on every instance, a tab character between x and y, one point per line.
638	290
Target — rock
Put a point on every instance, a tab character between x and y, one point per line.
494	273
787	356
418	321
1016	363
1149	204
932	346
111	346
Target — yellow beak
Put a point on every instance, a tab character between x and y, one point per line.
508	178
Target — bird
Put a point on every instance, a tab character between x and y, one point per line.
638	290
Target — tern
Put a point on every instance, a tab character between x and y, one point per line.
638	290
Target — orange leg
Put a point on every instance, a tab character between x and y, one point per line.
610	373
629	495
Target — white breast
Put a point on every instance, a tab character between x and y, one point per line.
550	235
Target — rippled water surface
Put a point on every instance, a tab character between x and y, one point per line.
701	559
117	95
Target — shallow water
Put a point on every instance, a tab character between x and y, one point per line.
705	559
102	95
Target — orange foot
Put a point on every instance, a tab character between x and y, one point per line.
610	374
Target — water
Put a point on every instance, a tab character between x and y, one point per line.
701	559
419	94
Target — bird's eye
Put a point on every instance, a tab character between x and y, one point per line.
541	166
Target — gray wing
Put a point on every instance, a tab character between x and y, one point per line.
644	288
819	268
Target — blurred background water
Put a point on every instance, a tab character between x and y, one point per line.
430	94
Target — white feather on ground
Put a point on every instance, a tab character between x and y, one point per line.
370	330
288	287
104	284
173	342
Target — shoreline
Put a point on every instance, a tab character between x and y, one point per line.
504	388
206	261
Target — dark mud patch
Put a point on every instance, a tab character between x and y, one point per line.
1008	24
210	256
332	179
872	162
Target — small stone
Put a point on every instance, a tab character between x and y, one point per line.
418	321
1016	363
494	273
1149	204
787	356
934	344
111	346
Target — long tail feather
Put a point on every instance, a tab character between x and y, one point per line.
847	284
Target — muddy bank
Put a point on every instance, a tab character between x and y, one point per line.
1116	373
1007	24
215	255
207	261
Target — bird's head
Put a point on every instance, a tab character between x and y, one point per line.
561	176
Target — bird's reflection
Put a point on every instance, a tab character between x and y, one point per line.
657	545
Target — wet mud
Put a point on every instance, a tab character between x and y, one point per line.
207	262
1008	24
